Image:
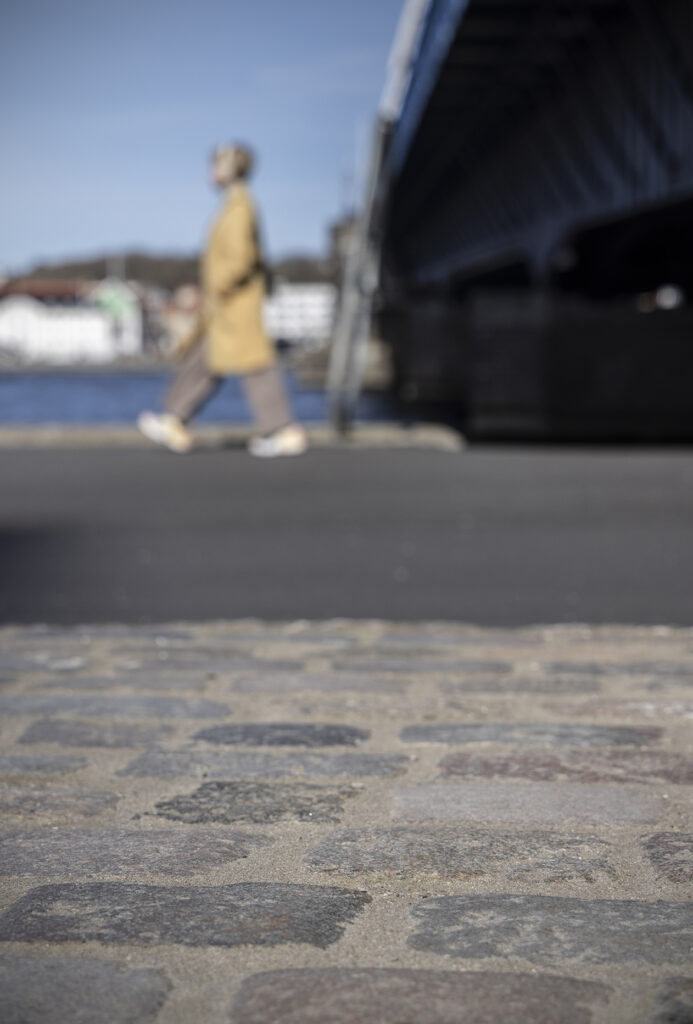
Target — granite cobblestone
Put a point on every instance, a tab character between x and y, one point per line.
532	733
363	996
551	930
86	852
258	914
78	733
629	766
88	991
346	822
127	706
222	764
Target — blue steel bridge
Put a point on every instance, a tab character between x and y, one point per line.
526	244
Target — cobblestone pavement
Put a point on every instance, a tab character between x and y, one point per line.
346	823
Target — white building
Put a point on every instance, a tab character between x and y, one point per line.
105	325
301	313
103	322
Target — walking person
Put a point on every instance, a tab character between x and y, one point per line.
229	337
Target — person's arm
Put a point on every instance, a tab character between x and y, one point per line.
236	259
189	339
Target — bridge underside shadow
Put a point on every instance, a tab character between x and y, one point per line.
537	234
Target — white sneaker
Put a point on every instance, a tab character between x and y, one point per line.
167	430
290	440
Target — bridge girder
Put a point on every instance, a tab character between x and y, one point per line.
528	122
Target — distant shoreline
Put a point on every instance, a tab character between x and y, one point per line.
150	366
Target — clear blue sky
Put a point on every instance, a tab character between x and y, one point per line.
109	110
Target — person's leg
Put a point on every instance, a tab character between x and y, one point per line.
192	386
266	395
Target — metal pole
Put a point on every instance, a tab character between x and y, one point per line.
360	279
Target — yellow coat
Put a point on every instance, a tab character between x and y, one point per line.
233	286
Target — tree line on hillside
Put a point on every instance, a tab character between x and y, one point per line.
170	272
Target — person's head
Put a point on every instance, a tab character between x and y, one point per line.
231	163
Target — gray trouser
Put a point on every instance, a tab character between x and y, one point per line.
265	392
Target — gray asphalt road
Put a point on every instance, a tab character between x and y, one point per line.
491	536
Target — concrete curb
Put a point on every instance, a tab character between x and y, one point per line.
381	435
